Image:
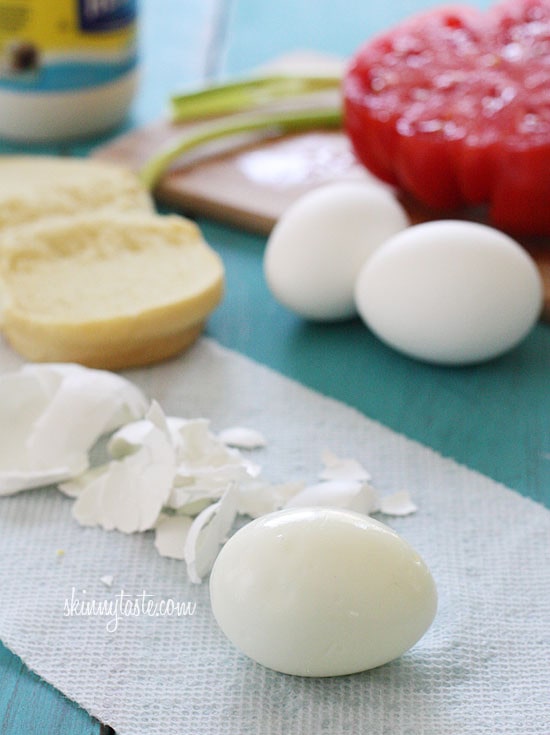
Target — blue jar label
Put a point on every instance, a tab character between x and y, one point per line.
97	16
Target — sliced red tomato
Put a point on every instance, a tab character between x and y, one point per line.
453	107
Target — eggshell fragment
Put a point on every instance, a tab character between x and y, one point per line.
321	592
133	435
206	467
397	504
255	499
342	468
171	535
206	534
450	292
50	417
317	247
201	453
76	485
242	437
350	494
128	494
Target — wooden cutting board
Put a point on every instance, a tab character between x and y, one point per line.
250	183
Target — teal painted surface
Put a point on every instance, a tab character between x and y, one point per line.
28	705
494	418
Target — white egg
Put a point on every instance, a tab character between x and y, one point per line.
450	292
321	592
318	245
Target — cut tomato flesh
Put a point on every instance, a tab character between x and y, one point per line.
453	106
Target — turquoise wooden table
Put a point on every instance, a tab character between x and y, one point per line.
494	418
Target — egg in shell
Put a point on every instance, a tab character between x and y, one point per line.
320	242
450	292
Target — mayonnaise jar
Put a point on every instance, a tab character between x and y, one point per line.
68	68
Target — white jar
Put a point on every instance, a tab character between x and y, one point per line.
68	68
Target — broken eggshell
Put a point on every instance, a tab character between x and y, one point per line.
171	533
163	470
345	494
342	468
50	417
397	504
255	499
129	494
241	437
208	532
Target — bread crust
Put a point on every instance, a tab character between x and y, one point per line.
37	346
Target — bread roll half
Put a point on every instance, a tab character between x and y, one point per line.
109	291
33	187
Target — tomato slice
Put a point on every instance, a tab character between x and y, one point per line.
453	107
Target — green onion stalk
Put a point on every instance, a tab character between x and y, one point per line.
237	96
234	98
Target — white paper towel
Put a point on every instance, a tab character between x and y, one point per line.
483	668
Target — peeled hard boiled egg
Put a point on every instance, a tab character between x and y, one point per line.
321	592
318	245
450	292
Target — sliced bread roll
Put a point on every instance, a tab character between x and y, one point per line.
33	187
109	291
